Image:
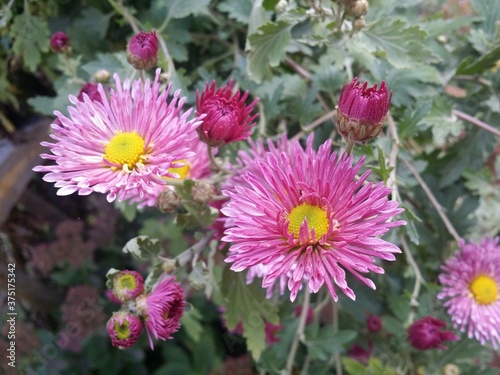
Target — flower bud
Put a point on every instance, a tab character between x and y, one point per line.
227	117
168	201
358	8
362	111
359	24
59	42
142	50
451	369
427	333
169	266
91	89
124	329
374	323
202	192
102	76
128	285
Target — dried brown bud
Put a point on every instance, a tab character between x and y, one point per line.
168	201
359	24
169	266
358	9
202	192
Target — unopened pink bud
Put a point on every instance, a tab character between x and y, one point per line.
142	50
124	329
427	333
59	41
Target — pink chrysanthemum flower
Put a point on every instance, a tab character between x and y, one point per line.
228	119
195	167
124	329
127	285
305	216
129	141
162	309
471	283
427	333
362	111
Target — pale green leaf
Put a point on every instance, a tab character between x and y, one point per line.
184	8
267	48
238	10
142	247
190	321
31	37
442	123
490	10
323	343
402	45
247	303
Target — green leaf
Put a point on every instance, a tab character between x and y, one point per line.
443	124
112	62
441	26
247	303
191	322
381	170
353	367
400	44
110	276
471	66
490	11
142	247
400	306
270	4
31	36
325	342
184	8
89	31
238	10
267	48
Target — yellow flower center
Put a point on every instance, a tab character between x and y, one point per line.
122	330
181	171
126	149
127	282
484	289
316	218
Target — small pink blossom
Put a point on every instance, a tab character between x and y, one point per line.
124	329
162	309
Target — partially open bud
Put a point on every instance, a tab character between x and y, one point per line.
227	117
59	42
168	201
142	50
202	192
428	333
91	89
362	111
124	329
128	285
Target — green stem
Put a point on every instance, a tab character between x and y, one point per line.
434	201
419	280
299	334
349	147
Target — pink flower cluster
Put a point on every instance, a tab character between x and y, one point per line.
159	311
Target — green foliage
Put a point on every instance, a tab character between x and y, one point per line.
142	247
267	49
31	39
323	342
247	304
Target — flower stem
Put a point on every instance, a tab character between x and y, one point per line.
475	121
309	128
419	279
183	258
299	334
349	147
434	201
